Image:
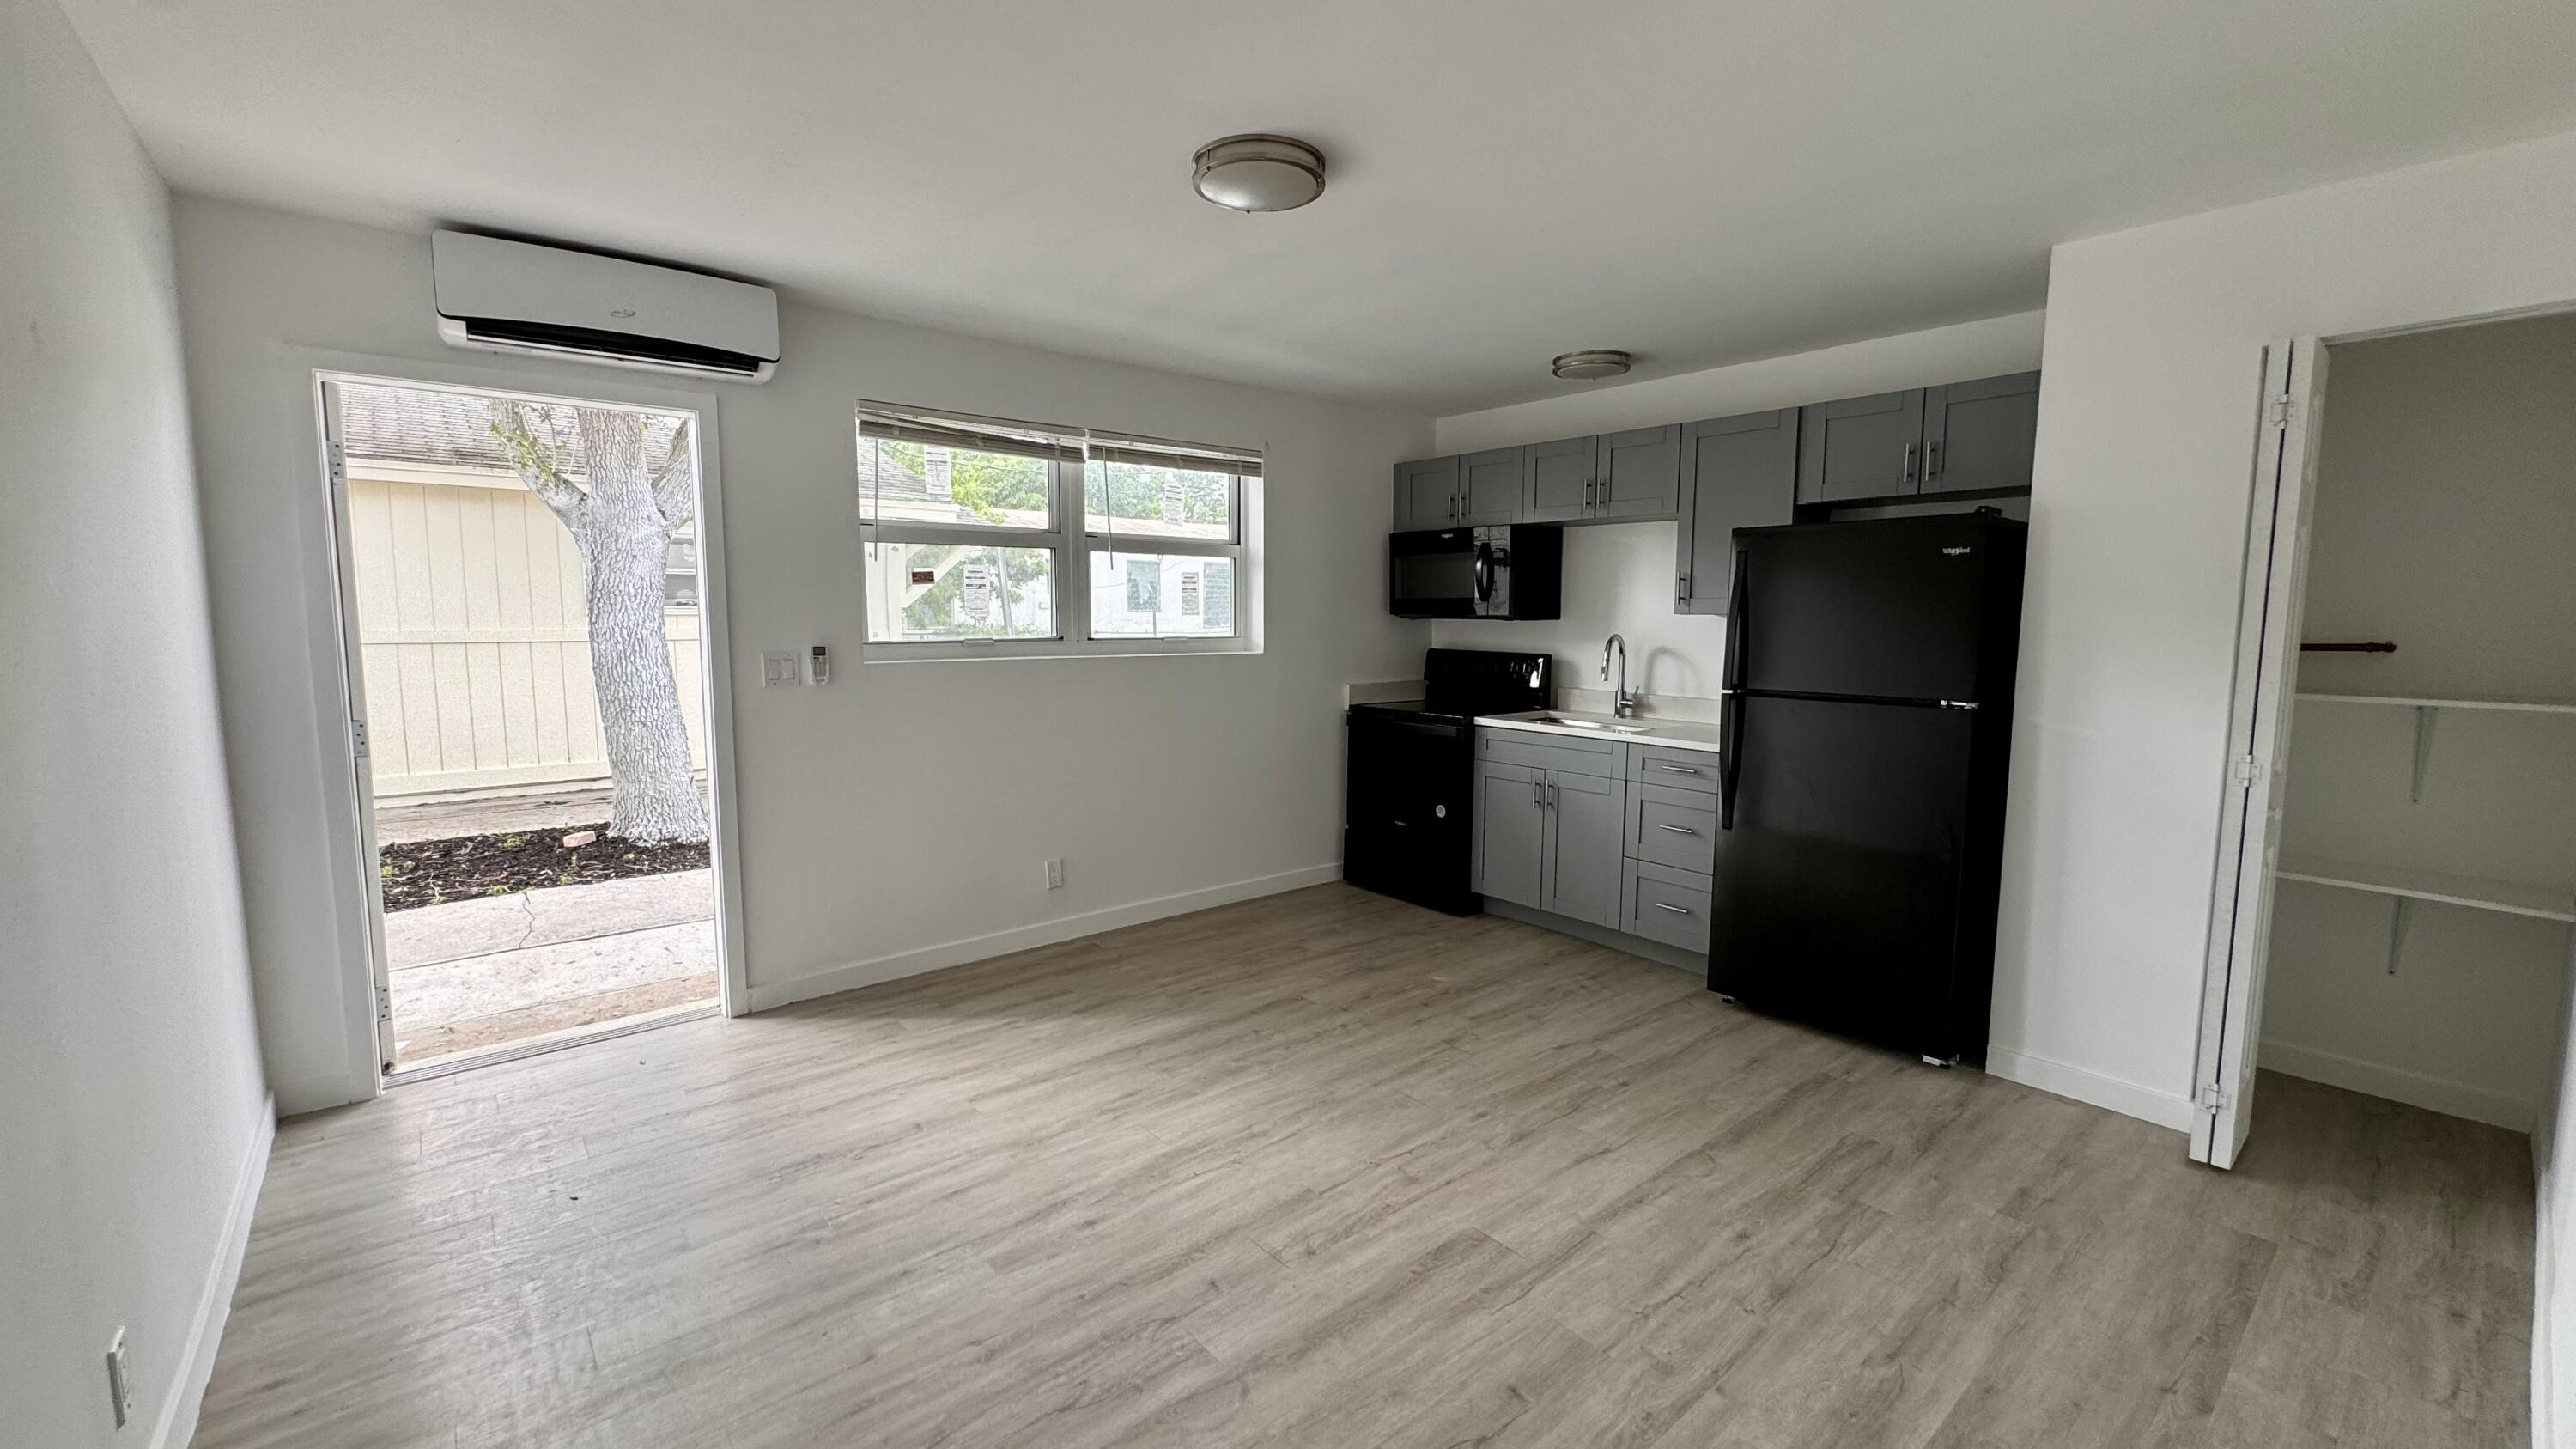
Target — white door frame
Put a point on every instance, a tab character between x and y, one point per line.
2270	602
346	772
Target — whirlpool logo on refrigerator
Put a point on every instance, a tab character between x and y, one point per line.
1956	549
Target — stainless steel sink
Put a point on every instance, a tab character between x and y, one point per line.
1562	722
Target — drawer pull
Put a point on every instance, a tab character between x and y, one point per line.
1676	769
1677	829
1676	910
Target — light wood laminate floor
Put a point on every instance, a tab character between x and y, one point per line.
1327	1171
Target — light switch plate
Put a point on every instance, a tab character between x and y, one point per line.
781	666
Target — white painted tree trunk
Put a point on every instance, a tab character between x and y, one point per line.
622	523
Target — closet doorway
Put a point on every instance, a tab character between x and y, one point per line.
2397	858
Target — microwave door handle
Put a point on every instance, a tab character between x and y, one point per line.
1484	573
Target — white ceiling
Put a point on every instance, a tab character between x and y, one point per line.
1698	182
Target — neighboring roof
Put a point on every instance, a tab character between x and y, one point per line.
425	425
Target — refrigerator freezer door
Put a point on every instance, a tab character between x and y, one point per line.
1837	890
1889	609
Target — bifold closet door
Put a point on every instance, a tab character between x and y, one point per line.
2258	742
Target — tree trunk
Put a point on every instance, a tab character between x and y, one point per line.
624	533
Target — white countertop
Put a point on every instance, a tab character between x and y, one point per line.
1678	734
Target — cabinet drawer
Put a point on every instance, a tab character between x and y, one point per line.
1681	769
1672	827
1664	904
1549	752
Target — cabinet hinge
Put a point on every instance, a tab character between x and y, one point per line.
2212	1098
2244	769
2280	411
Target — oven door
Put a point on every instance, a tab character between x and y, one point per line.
1431	574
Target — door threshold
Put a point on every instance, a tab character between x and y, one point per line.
555	1042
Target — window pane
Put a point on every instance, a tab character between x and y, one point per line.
925	591
1161	596
1135	500
902	482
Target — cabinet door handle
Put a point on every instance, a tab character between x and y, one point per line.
1931	463
1676	769
1677	829
1676	910
1907	475
1538	790
1683	585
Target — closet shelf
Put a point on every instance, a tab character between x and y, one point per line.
2547	902
2409	701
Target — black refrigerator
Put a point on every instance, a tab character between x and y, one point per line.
1867	721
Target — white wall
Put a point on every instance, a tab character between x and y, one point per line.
130	1095
2445	520
871	808
2553	1313
2146	433
1619	576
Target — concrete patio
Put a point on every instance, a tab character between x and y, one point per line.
472	975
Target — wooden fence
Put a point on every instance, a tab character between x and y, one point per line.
473	639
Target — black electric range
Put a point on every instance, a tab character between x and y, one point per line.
1411	780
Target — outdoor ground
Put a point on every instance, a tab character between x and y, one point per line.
484	971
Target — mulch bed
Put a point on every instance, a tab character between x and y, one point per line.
431	872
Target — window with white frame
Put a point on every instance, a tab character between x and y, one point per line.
985	536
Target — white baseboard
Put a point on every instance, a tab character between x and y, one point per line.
2544	1295
837	979
2129	1099
178	1423
2415	1089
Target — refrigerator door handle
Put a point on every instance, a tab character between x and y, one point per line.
1730	715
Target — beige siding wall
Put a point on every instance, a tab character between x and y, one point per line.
476	653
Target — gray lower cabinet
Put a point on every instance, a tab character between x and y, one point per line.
1621	836
1672	827
1426	494
1548	838
1978	436
1664	903
1511	832
1586	815
1735	473
1861	448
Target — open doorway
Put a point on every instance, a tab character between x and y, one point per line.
2397	876
529	680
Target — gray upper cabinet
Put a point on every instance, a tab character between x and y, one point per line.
1586	821
1861	447
1639	474
1609	477
1735	473
1489	487
1426	494
1978	436
1557	479
1511	831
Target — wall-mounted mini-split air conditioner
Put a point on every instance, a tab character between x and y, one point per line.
506	296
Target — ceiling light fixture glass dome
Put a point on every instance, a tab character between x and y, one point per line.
1257	172
1598	362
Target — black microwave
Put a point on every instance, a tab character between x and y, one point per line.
1499	571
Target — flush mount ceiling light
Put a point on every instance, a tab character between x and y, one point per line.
1258	172
1599	362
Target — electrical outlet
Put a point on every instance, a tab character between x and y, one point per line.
1055	874
119	1396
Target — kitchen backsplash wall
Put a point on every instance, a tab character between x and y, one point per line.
1618	578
